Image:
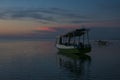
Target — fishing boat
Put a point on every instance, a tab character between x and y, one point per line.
76	41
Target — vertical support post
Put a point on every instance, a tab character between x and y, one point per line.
88	37
69	38
83	39
74	37
79	39
60	40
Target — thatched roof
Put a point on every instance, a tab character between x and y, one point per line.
75	33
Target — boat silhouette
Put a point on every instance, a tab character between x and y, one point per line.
76	41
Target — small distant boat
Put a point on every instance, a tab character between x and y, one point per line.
76	41
102	42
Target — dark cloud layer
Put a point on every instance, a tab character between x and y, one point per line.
42	14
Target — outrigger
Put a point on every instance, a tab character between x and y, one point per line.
76	41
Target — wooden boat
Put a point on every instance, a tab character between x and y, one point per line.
76	41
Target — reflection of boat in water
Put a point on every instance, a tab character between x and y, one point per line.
76	64
76	41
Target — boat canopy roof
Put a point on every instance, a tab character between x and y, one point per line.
75	33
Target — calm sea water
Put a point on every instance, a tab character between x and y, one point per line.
40	60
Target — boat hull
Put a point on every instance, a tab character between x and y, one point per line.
75	50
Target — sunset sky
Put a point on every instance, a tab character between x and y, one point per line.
48	18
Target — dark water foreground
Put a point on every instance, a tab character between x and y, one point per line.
40	60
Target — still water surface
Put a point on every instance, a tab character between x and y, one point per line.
40	60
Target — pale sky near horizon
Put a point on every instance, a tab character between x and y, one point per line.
36	18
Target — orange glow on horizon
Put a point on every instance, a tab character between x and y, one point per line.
49	29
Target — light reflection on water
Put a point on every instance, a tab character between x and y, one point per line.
39	60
